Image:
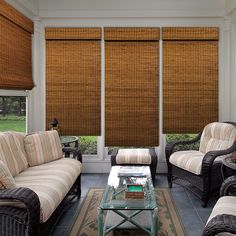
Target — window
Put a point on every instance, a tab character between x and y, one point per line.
13	113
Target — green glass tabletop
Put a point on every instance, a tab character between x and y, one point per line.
120	177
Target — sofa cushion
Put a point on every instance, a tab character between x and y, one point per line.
51	182
6	179
188	160
225	205
133	156
43	147
12	152
217	136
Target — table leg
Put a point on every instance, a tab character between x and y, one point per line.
154	222
100	222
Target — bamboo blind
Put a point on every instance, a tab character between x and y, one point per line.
16	17
73	83
15	56
190	79
131	88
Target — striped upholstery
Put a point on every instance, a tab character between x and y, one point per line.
12	152
43	147
225	205
215	136
188	160
133	156
6	179
51	182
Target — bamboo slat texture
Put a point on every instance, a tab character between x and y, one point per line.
73	85
131	33
190	81
190	33
16	17
73	33
131	92
15	56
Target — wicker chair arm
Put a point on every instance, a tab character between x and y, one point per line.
219	224
170	146
228	185
75	152
26	196
210	156
113	157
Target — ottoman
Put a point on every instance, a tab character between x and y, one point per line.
137	157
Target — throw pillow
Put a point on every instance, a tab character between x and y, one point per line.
6	179
43	147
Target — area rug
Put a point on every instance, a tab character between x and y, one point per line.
169	223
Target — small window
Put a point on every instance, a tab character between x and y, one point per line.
13	113
88	145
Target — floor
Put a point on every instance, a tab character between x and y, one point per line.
192	214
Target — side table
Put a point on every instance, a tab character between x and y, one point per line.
66	141
229	166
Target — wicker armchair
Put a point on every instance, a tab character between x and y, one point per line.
20	215
200	171
223	216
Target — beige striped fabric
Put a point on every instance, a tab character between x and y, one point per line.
12	152
188	160
43	147
217	136
51	182
6	179
133	156
225	205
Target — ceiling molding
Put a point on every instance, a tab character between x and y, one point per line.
129	13
230	7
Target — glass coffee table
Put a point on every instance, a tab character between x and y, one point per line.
116	210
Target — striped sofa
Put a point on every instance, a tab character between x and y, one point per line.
35	178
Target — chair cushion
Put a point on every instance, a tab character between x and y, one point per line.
12	152
225	205
188	160
133	156
6	179
43	147
217	136
51	182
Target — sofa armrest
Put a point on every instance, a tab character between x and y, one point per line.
219	224
74	151
28	198
228	187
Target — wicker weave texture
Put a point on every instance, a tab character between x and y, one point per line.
131	33
73	33
73	85
190	89
190	33
15	16
15	53
131	93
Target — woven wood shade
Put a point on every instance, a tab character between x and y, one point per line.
132	33
131	92
15	56
73	33
73	85
16	17
190	80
